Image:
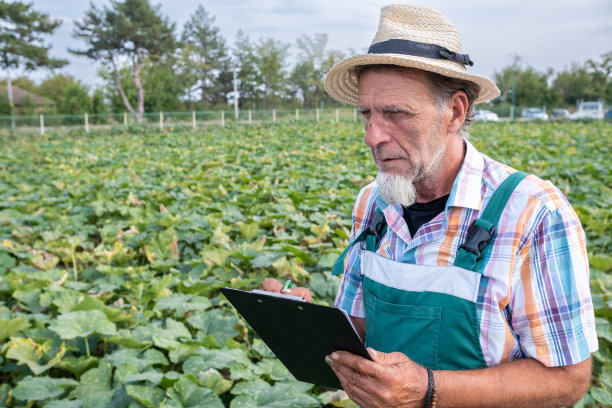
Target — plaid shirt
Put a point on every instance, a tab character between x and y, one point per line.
536	301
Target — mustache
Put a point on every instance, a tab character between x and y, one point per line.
381	154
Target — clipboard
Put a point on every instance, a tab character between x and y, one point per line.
299	333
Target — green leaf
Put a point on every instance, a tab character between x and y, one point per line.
274	369
89	303
249	231
64	404
260	394
216	359
191	394
602	396
261	347
82	324
182	304
10	327
217	323
213	380
147	396
38	357
41	388
95	386
78	365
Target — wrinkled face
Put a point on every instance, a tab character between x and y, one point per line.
404	129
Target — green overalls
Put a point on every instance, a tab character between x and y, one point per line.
429	312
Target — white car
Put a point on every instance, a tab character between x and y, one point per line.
588	110
534	114
485	116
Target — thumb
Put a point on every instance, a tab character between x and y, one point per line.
386	358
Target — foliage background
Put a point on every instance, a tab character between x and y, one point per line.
113	247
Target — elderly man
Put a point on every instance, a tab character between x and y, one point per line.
468	279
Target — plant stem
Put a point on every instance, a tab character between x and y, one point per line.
87	347
74	265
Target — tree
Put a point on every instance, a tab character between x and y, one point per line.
530	86
205	60
132	30
22	32
244	55
572	85
314	61
601	74
270	61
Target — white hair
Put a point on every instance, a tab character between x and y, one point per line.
396	189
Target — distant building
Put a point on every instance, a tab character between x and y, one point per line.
26	102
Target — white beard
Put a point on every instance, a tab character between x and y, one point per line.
396	189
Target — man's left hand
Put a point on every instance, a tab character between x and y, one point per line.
389	380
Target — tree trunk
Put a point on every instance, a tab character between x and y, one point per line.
139	85
124	98
9	90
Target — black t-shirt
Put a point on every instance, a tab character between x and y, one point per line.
419	213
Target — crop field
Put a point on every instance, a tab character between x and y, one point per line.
114	245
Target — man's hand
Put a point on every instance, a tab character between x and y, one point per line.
274	285
389	380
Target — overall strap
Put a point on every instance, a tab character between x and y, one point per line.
372	235
481	233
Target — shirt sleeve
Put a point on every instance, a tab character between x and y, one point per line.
551	306
350	292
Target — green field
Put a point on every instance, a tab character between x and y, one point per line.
113	247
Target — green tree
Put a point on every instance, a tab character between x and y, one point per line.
22	32
54	87
206	61
270	62
131	30
98	104
572	85
601	75
530	87
76	99
314	61
249	86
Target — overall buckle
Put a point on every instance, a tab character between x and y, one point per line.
477	238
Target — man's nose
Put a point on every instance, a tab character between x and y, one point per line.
375	132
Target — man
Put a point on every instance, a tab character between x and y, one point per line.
468	280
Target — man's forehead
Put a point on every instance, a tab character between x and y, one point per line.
392	86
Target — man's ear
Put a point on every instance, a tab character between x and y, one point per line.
459	106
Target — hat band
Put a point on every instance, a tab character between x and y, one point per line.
418	49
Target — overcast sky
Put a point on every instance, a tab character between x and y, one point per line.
546	33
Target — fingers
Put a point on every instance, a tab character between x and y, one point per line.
301	292
272	285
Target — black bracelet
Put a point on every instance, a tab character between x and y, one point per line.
430	386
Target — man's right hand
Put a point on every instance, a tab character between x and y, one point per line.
274	285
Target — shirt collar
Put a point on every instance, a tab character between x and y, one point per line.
466	190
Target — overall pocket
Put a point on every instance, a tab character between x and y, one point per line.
411	329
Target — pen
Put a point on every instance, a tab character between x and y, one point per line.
288	284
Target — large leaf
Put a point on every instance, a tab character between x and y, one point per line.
189	393
147	396
41	388
259	394
82	324
217	323
95	387
38	357
10	327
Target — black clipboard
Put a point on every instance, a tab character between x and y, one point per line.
299	333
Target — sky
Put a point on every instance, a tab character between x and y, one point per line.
544	33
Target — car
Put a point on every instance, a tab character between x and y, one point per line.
534	114
608	114
589	110
559	114
485	116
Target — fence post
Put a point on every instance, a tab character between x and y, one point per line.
222	118
250	116
317	114
273	115
124	118
297	113
161	120
193	121
42	124
337	115
86	123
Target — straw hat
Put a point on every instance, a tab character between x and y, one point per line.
409	36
